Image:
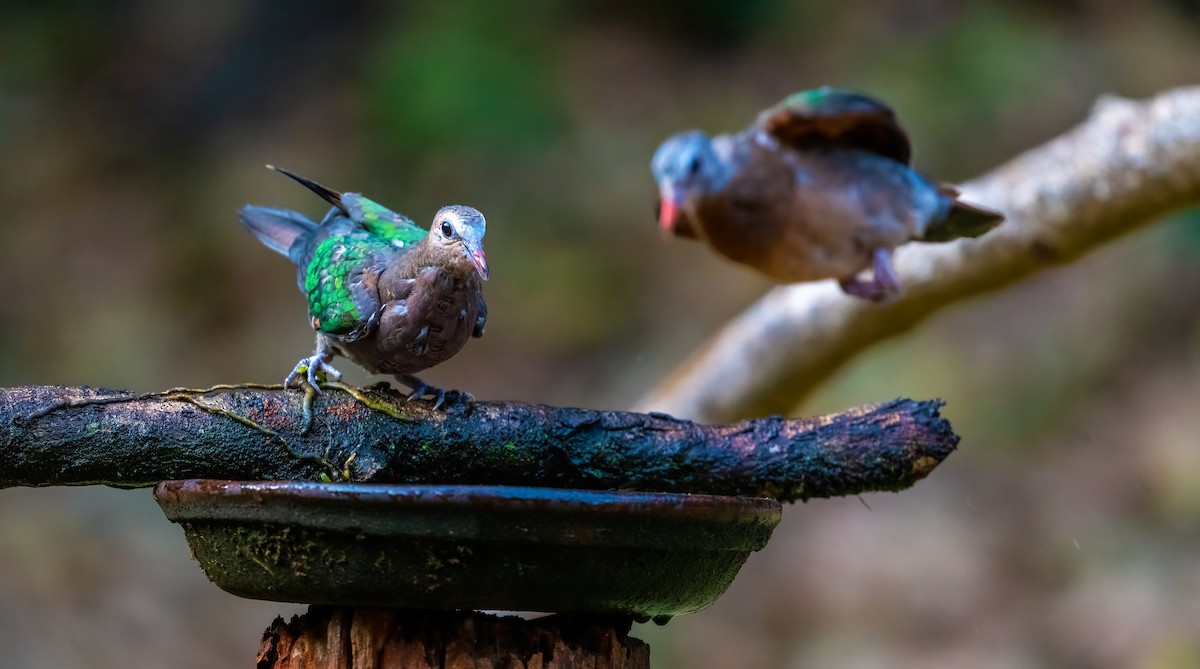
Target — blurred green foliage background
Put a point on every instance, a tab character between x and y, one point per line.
1064	532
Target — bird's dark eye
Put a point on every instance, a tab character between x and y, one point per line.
694	166
447	229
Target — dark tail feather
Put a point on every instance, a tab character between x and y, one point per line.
277	228
963	220
328	194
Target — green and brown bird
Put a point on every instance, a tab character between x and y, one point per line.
818	187
382	291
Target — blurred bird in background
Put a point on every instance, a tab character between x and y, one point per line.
818	187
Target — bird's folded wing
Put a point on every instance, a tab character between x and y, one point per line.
396	229
341	282
835	118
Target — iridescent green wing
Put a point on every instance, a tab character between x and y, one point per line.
396	229
341	278
834	118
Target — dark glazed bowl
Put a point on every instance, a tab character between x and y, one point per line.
468	547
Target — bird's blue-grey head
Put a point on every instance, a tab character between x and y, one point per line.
684	166
461	228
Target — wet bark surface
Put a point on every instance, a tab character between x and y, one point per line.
53	435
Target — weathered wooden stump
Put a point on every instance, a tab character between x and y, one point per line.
362	638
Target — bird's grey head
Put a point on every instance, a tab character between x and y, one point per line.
684	166
461	228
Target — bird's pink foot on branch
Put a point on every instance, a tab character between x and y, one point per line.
884	285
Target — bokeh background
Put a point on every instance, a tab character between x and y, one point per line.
1064	533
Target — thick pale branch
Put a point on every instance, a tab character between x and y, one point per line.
112	438
1129	164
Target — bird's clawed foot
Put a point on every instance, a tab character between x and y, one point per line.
883	286
867	290
421	390
311	371
308	374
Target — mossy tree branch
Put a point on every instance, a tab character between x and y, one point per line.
76	436
1128	165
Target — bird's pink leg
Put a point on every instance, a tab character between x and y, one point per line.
882	286
885	272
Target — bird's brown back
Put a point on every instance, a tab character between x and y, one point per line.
803	215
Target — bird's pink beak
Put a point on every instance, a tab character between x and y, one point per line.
668	209
480	263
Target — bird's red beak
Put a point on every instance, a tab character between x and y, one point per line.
668	209
480	262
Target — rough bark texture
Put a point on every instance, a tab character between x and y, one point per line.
341	638
112	438
1128	165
